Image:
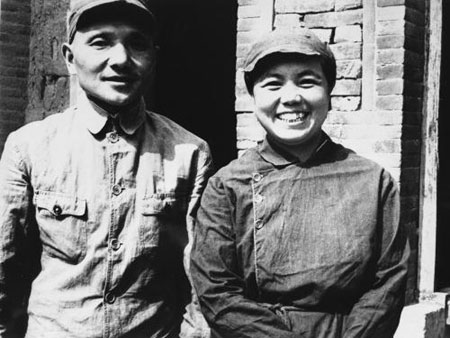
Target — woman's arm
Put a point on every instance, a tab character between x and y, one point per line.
216	277
377	312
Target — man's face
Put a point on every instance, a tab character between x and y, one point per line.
291	101
113	61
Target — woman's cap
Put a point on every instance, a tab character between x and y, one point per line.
301	40
79	7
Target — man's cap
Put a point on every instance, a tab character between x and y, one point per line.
79	7
301	41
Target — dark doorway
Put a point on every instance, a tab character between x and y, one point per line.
443	190
195	77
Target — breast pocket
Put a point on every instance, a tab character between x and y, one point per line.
163	219
62	221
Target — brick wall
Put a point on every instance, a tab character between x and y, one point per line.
377	101
48	83
14	55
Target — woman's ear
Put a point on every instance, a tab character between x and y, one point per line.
68	58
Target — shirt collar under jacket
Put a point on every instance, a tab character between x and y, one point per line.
95	117
278	157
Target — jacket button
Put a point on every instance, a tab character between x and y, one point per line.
113	137
57	210
259	198
259	224
257	177
115	244
116	189
110	298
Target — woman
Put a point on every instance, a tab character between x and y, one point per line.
300	237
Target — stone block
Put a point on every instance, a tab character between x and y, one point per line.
288	21
347	51
391	56
388	27
248	24
389	102
334	19
342	5
323	34
390	41
289	6
415	16
391	13
248	2
250	11
348	69
350	33
389	3
389	87
244	103
346	103
347	87
391	71
253	133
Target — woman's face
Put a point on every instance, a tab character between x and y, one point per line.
291	100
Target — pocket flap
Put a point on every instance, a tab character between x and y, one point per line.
60	204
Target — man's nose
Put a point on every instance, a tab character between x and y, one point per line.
291	94
119	55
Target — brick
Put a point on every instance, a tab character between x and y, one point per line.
391	13
342	5
242	49
414	31
254	133
346	51
22	17
323	34
390	26
368	118
388	3
346	103
287	21
13	71
248	24
17	103
389	102
248	2
16	28
389	87
246	38
244	103
15	6
246	120
351	33
251	11
245	144
289	6
349	69
334	19
415	45
390	71
414	74
390	41
347	87
391	56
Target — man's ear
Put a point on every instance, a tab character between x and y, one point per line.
68	57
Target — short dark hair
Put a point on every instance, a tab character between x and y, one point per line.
328	67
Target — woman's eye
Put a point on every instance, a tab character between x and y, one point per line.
271	85
308	82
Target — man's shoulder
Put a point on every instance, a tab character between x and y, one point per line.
171	129
42	129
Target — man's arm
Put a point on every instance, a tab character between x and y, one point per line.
215	273
16	269
194	324
377	312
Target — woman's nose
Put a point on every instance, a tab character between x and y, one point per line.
291	95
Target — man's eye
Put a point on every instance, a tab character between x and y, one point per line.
99	43
139	44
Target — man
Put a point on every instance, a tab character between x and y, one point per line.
95	202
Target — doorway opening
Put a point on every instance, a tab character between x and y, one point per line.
442	274
195	77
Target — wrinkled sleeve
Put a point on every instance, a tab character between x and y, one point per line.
377	312
194	324
15	265
216	277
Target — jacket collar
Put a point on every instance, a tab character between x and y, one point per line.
273	154
95	117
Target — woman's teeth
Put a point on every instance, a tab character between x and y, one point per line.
293	117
